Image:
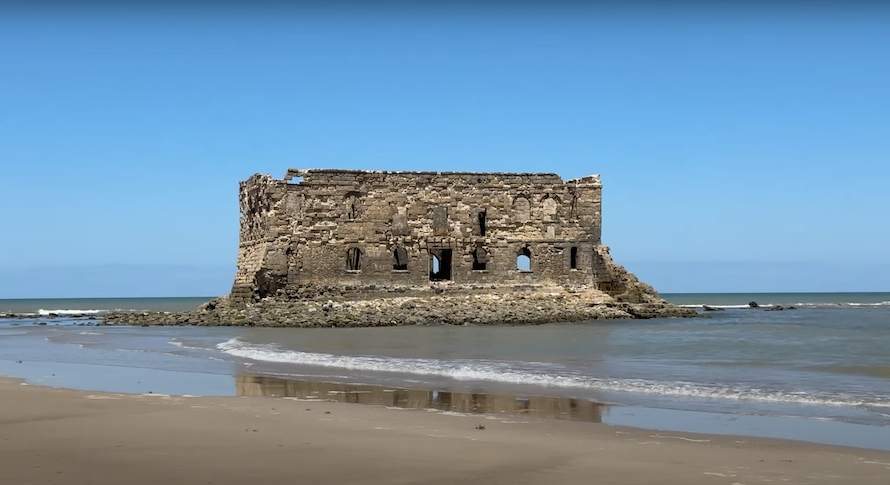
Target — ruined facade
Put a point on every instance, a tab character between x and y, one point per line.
373	229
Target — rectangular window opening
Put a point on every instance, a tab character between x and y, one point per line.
400	259
481	218
354	259
480	258
440	265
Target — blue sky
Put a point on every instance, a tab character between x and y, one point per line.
740	149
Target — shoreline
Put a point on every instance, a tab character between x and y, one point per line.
500	404
76	437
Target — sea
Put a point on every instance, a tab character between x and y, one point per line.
818	369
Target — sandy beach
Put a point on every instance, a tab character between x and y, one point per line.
50	435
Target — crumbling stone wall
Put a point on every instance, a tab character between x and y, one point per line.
380	229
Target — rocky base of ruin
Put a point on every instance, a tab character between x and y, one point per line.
437	304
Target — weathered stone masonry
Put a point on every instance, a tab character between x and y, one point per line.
348	248
382	229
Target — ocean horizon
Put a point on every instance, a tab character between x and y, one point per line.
59	306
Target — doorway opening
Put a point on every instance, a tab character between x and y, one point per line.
440	264
573	258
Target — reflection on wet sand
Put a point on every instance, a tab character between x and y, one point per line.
461	402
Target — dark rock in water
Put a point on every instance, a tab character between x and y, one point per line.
39	323
753	304
776	308
712	309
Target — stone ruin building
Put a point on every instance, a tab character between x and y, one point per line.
377	229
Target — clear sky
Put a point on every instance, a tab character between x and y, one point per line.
740	149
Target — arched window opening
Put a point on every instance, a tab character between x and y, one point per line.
400	259
524	260
573	258
354	259
480	259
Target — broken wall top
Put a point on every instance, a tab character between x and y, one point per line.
544	177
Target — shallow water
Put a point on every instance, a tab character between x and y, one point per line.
826	361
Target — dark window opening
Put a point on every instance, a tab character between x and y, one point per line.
480	259
354	259
440	264
400	259
524	260
481	218
573	258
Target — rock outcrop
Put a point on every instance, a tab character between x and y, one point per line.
453	305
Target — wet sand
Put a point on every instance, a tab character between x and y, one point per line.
62	436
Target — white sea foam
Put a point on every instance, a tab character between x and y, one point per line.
91	333
43	312
841	304
182	345
78	313
702	305
504	372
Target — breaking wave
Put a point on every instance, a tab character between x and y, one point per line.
43	312
702	305
798	305
179	343
539	374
